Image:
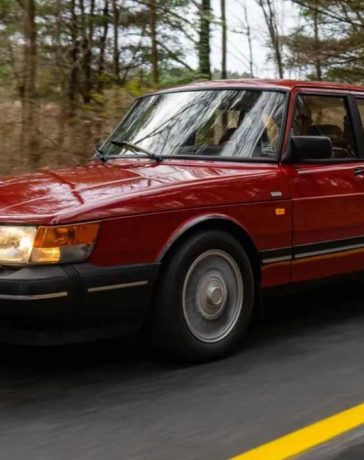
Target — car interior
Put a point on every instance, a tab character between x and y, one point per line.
325	116
212	138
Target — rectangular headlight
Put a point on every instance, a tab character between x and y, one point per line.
16	244
21	245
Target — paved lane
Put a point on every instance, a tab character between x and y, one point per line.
117	400
347	447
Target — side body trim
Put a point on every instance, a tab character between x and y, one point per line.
276	255
311	250
51	295
117	286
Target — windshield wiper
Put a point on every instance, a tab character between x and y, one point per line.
137	149
101	154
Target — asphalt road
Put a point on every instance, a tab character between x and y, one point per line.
119	400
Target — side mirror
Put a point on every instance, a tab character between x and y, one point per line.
309	148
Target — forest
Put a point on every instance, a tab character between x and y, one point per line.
71	68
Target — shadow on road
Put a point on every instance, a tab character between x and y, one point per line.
338	301
289	315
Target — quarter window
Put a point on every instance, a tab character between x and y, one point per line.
326	116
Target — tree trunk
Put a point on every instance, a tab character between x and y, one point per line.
87	22
29	115
249	38
270	17
116	51
74	56
101	66
63	103
204	41
224	40
278	56
154	42
317	43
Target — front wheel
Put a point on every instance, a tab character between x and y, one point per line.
205	297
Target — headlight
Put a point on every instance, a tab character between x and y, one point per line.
16	244
21	245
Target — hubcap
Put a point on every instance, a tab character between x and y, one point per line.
212	296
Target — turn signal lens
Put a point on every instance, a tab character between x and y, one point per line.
68	243
46	255
68	235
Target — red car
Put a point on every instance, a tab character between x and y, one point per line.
202	197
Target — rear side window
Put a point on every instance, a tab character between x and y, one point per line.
326	116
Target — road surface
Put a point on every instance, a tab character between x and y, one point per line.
119	400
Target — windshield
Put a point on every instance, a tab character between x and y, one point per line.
209	123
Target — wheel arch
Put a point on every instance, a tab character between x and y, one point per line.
215	222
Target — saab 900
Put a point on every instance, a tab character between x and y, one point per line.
203	197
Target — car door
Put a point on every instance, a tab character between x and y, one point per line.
328	194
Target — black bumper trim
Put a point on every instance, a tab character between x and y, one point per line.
75	297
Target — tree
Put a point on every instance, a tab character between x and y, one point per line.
305	45
73	57
248	32
223	40
330	44
315	18
270	17
87	37
154	42
29	91
103	40
204	39
74	64
116	44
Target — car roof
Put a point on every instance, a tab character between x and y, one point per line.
264	83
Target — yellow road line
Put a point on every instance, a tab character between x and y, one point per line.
306	438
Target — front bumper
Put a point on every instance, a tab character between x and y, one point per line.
68	303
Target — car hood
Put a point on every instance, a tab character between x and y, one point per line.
124	187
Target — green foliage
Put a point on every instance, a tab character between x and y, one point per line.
135	87
177	76
216	74
330	45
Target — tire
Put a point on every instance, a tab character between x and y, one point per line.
205	298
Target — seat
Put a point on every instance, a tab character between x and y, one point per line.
335	133
332	131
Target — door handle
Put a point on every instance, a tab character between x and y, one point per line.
358	171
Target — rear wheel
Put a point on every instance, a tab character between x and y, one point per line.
205	297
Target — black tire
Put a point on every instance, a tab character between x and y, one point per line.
177	302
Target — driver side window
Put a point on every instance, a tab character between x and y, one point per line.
326	116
